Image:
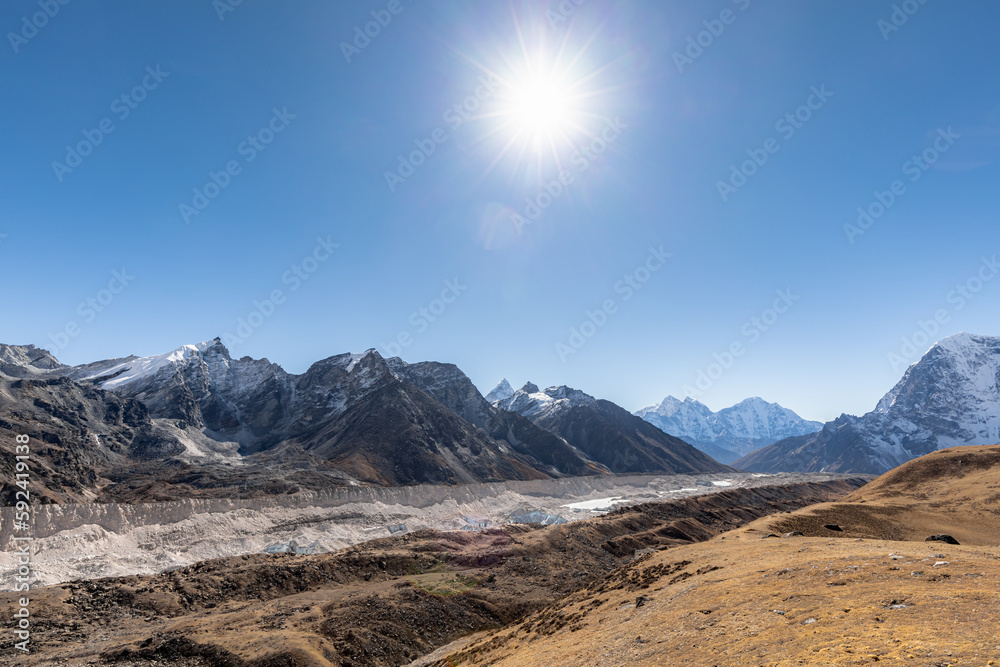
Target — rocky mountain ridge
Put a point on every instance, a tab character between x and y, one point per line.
205	422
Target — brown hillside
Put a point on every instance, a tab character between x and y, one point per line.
953	491
959	473
773	603
842	594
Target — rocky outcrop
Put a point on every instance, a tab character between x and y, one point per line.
77	434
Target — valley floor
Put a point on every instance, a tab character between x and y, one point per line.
835	573
86	541
384	602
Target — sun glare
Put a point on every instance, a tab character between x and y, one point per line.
551	98
541	107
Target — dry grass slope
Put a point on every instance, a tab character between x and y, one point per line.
871	592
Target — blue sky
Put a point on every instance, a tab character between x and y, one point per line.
628	126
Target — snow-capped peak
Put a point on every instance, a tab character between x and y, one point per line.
136	368
751	423
502	391
355	358
670	406
529	401
950	397
963	342
564	393
968	356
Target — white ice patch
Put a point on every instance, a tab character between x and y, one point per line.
600	504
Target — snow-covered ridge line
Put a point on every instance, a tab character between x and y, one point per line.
529	401
142	367
741	428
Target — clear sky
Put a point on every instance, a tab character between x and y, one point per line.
219	154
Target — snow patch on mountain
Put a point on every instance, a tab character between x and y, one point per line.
355	358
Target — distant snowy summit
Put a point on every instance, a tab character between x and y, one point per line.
730	432
604	432
530	401
950	397
502	391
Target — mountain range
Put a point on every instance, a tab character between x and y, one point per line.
950	397
731	432
195	421
601	430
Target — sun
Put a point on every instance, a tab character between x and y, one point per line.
541	107
553	94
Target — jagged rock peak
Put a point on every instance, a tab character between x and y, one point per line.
26	358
